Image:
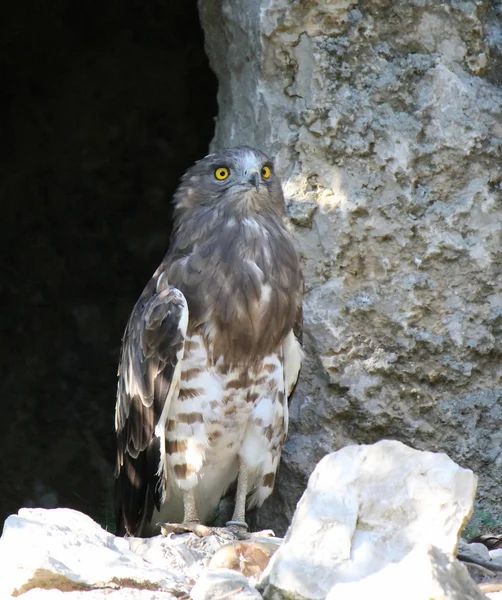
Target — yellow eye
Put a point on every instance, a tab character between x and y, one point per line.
221	173
265	172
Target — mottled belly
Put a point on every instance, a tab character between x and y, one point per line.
216	409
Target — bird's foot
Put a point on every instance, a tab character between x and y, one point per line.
241	531
186	527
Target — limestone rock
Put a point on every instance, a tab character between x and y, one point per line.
423	574
100	594
387	116
365	508
223	583
250	558
494	593
66	550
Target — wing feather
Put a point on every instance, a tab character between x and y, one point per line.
292	347
152	349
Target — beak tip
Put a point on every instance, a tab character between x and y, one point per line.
255	180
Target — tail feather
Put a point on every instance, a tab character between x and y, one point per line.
137	491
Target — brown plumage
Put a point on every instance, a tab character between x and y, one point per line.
210	353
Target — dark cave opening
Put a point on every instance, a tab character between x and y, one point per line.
102	108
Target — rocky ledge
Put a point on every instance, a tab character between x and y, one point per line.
375	521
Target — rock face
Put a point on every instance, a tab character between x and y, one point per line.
372	514
223	583
385	120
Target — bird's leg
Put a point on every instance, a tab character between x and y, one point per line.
190	514
191	521
237	526
238	523
239	516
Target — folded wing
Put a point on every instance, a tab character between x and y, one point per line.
149	372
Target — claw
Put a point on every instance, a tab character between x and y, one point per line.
189	527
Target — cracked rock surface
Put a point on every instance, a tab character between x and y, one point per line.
385	120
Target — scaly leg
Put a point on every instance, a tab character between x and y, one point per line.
237	525
238	522
191	520
239	516
190	514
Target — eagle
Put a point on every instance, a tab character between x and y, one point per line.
211	352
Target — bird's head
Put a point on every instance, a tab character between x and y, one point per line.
240	180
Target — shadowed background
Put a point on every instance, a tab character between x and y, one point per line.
102	108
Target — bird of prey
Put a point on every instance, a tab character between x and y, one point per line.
211	352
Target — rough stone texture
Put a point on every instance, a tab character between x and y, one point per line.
66	550
360	525
223	583
365	509
424	574
122	594
474	551
484	569
63	550
250	558
385	120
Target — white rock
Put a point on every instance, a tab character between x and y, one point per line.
423	574
365	508
100	594
173	553
66	550
496	555
223	583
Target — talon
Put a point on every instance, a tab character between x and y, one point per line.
188	527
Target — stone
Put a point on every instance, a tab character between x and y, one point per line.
496	555
474	551
365	509
218	584
388	118
50	552
66	550
248	557
423	574
103	594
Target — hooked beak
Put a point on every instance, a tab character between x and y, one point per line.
254	178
